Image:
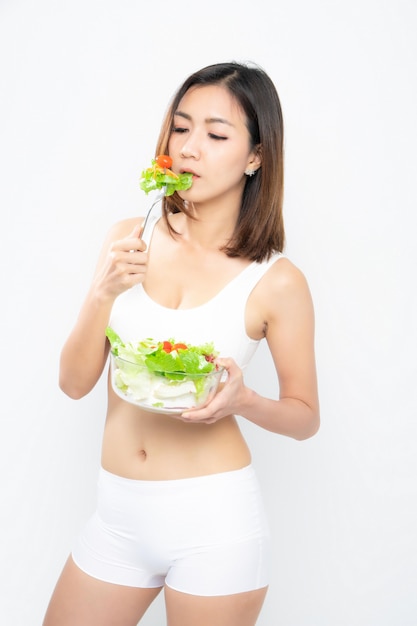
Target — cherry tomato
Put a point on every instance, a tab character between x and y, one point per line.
167	346
163	160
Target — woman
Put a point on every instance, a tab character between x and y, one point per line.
178	502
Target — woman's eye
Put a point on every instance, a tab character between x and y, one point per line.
217	137
179	129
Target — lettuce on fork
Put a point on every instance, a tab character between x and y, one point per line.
160	175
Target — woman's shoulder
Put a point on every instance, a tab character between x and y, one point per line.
284	276
280	295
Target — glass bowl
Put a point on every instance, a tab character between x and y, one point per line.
161	393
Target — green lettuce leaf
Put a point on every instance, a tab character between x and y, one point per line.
177	364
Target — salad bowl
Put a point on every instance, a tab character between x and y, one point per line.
163	377
155	392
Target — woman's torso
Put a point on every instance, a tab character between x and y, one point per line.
197	299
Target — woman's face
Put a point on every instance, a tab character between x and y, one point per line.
210	139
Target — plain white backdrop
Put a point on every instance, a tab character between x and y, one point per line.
84	86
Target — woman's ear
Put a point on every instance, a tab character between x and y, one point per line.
255	159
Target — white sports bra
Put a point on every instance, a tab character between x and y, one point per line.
221	320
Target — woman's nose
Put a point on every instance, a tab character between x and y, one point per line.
190	149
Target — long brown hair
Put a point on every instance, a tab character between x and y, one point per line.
259	230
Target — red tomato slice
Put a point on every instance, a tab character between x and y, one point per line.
167	346
163	160
179	346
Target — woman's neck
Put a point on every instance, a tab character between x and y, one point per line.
211	225
204	230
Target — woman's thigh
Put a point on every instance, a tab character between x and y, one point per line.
240	609
80	600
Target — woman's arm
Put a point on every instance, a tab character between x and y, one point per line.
290	337
121	265
283	300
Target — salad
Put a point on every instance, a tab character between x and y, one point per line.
160	175
163	374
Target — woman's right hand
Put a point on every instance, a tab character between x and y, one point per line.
123	266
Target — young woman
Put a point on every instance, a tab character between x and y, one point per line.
179	507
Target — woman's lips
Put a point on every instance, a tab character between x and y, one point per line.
194	175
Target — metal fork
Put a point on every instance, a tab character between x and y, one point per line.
155	202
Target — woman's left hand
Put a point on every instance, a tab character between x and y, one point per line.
226	402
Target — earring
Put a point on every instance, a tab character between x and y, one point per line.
250	172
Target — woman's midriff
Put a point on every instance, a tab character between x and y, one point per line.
153	446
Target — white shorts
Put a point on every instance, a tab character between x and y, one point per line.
205	536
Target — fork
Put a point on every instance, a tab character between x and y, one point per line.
155	202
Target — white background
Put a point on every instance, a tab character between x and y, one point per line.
84	86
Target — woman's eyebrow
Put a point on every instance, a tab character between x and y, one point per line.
208	120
